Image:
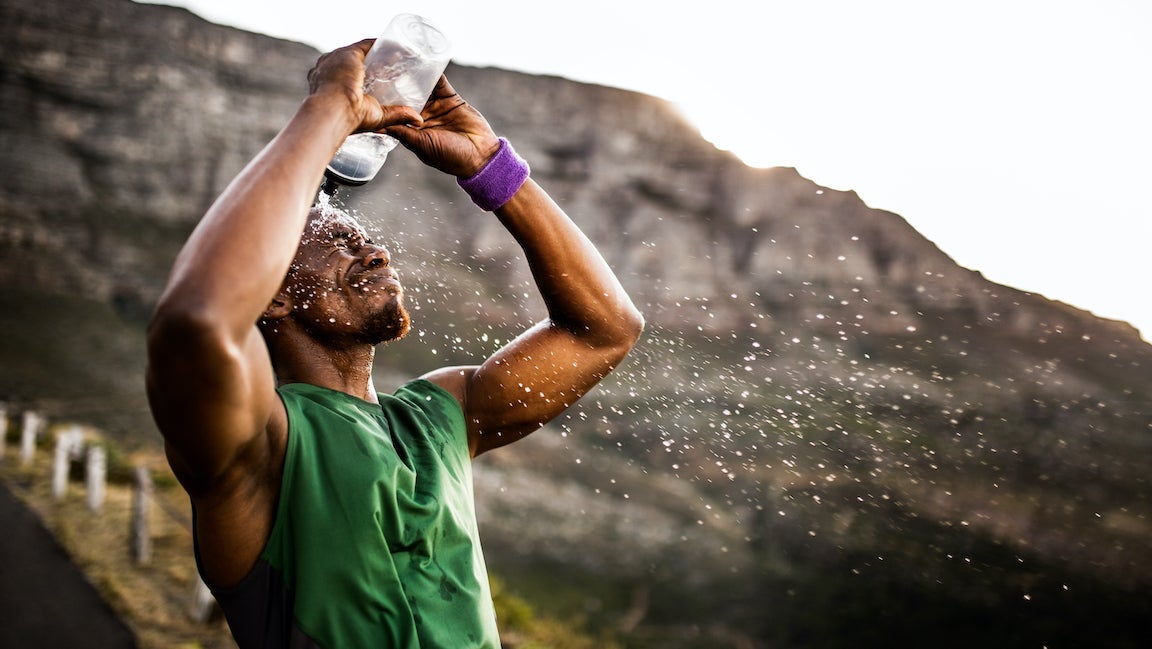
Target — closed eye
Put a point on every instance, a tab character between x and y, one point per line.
348	241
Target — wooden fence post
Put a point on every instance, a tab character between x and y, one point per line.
3	428
28	434
61	463
141	533
203	602
96	472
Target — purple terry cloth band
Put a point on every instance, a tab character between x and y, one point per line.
497	180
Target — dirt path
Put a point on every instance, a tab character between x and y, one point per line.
45	601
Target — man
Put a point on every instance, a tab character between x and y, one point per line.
325	514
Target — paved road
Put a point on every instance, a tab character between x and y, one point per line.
45	601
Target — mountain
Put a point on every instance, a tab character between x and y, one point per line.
831	434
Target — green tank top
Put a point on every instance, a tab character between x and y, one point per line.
375	541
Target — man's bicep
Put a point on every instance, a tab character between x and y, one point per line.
532	380
210	401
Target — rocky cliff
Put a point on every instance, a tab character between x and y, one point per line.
826	411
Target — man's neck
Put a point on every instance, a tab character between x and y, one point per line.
347	370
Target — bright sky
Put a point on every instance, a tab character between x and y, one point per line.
1015	134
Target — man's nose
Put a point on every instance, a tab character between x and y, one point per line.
377	256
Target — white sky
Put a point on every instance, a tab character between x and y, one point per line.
1015	134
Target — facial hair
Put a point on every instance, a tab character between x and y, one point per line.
390	323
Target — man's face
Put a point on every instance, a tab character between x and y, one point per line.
342	285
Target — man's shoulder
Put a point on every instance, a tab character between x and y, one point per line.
440	404
453	380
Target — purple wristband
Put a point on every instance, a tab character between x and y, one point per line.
497	180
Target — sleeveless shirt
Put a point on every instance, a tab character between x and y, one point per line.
374	542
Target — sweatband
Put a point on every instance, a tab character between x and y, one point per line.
498	179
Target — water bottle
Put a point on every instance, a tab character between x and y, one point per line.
401	69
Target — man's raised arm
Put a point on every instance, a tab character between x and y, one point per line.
591	325
210	380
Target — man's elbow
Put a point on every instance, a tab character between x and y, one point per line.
627	328
634	325
613	330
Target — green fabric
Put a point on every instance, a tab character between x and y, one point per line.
375	532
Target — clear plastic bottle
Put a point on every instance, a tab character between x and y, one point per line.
401	69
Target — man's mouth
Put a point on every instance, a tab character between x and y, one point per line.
386	278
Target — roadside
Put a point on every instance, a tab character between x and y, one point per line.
46	600
67	574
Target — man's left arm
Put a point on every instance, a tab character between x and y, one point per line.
591	326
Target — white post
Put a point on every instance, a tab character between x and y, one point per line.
28	437
141	533
76	448
3	428
96	472
61	462
203	602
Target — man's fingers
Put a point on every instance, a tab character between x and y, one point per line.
442	89
398	116
364	45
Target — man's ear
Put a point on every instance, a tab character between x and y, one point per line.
280	306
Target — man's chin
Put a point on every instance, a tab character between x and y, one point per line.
404	329
392	326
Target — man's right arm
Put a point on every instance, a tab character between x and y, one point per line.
210	380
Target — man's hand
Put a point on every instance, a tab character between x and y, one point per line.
339	74
454	137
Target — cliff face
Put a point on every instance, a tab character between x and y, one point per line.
819	386
114	112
